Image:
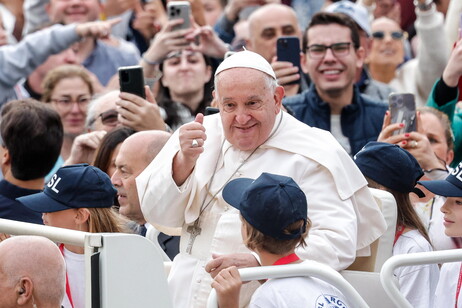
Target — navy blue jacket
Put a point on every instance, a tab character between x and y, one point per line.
15	210
361	120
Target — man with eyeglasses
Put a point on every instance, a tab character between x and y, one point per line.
332	56
418	75
366	84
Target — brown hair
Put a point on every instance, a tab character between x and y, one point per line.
407	216
61	72
105	220
255	240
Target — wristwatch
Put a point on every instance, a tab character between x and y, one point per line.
423	6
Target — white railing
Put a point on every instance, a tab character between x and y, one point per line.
127	269
386	274
317	270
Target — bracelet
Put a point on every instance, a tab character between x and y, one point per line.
151	62
423	6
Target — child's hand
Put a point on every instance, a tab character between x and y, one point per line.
228	286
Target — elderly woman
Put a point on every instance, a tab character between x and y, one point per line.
386	57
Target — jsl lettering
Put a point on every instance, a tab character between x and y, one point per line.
53	183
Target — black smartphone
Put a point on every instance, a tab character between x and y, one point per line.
211	110
131	80
179	9
288	49
402	110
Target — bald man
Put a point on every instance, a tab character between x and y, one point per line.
266	25
135	153
32	273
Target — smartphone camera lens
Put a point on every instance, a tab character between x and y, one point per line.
124	77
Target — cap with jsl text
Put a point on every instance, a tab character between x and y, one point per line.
269	203
449	187
390	166
72	187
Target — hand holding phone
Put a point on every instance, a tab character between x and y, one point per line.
403	110
131	80
288	50
179	9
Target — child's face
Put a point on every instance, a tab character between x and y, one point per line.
62	219
452	210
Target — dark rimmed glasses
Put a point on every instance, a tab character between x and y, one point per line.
317	51
396	35
109	118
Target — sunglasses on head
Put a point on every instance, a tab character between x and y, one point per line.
396	35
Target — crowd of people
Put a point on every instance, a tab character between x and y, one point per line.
281	174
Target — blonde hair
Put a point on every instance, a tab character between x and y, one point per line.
106	219
61	72
257	241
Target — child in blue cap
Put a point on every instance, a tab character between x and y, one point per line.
78	197
274	222
393	169
448	289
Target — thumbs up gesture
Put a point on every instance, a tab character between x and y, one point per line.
192	137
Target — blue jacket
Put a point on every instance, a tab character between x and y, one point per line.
361	120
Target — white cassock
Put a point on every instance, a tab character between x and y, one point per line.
345	218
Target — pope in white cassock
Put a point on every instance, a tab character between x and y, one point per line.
182	186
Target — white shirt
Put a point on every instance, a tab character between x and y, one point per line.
445	295
417	282
298	292
75	269
336	130
344	214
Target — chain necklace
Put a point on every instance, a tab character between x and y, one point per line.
195	229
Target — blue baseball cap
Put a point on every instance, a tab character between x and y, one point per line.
269	203
73	187
390	166
449	187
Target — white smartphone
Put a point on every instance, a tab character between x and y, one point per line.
179	9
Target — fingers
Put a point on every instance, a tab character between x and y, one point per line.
386	119
213	264
149	95
91	140
199	118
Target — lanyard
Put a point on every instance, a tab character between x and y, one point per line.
459	283
399	231
68	288
287	259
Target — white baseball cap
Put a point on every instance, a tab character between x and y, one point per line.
248	59
357	12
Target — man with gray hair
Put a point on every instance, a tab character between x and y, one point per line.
250	135
32	273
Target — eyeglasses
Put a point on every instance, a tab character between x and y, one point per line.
317	51
396	35
65	103
109	118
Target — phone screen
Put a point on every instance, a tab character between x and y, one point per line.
402	110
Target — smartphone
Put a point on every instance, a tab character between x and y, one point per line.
402	110
211	110
179	9
131	80
288	49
